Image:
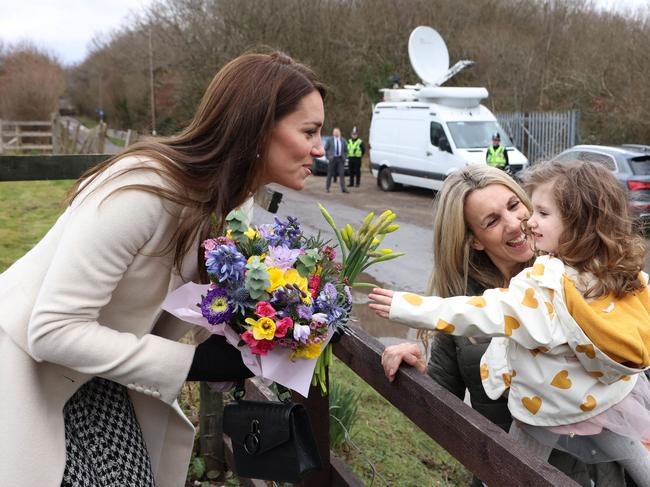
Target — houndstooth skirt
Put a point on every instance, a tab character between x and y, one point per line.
103	442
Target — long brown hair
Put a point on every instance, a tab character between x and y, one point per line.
217	161
457	267
598	236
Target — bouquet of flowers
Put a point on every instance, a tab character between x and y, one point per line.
279	295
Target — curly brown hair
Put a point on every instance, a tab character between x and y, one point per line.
599	236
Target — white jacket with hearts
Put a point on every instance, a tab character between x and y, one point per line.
565	359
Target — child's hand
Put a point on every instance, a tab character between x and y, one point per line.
382	298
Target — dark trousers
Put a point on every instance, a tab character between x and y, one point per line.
355	170
336	168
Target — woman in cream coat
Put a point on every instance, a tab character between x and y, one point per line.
80	318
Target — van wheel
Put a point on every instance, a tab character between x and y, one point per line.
385	180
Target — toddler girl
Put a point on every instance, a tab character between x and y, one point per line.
577	323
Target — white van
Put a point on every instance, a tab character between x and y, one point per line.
420	134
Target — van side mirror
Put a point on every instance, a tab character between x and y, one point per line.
443	143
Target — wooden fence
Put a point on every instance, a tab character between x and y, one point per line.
21	136
473	440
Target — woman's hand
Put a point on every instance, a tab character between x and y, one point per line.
393	356
382	298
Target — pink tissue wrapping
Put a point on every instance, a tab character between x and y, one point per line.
275	366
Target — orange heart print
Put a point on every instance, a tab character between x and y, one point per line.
413	299
589	404
532	403
529	298
561	380
510	324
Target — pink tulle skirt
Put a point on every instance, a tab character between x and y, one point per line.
629	419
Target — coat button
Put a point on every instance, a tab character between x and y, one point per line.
155	394
139	388
130	386
147	392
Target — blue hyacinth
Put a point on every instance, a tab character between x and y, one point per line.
226	264
286	234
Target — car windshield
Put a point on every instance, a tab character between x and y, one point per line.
476	135
640	165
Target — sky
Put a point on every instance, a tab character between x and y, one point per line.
63	27
66	27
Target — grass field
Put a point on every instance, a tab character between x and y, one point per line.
399	452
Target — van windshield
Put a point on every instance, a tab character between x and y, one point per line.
476	135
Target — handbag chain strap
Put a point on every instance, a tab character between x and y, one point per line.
283	394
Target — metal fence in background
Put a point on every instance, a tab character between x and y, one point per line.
541	135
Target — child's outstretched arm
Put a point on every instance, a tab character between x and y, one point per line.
381	299
523	313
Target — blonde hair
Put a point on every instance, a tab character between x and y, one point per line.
598	236
456	265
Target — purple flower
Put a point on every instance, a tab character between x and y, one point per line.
285	297
348	294
282	257
215	307
265	230
226	263
305	312
286	233
301	332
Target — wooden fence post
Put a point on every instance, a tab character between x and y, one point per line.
131	137
101	137
319	414
56	134
211	429
1	138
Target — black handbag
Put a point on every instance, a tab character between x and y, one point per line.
271	440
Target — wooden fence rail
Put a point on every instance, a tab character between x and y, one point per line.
472	439
22	136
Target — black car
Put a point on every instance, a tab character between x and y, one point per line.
630	164
320	164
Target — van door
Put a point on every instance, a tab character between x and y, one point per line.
413	166
441	160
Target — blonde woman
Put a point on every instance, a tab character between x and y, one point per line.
479	244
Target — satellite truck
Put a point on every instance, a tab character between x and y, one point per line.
421	133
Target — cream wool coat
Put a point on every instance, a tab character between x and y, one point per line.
555	373
85	302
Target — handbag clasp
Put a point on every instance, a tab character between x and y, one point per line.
252	439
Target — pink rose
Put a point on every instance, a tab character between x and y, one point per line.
257	347
264	309
281	327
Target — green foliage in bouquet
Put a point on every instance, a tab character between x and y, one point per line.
257	279
360	248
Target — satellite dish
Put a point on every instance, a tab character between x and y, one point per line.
428	54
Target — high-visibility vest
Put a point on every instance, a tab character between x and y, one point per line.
354	148
495	157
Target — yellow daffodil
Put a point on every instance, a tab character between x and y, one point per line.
251	233
310	350
263	329
276	278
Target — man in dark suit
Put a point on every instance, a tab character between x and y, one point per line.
335	150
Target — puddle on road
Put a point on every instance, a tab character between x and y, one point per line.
365	318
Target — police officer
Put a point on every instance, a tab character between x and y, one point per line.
497	155
356	150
